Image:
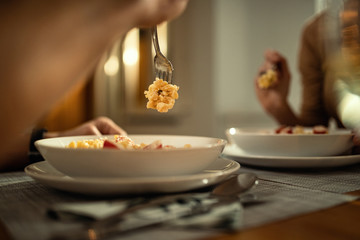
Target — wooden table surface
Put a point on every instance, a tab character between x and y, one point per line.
340	222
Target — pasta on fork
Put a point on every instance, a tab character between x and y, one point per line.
161	95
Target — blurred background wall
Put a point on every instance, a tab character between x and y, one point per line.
216	48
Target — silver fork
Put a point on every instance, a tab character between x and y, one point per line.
163	67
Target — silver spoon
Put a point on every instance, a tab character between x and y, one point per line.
235	185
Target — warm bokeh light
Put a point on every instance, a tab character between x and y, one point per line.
162	30
111	67
130	56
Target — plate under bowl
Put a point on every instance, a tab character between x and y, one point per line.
216	172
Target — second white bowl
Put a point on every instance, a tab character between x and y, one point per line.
265	142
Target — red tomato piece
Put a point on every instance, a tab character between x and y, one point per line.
284	130
279	129
109	144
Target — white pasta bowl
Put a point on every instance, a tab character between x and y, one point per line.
105	162
266	142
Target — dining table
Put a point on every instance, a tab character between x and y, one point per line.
286	203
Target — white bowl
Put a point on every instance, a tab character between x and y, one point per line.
265	142
132	163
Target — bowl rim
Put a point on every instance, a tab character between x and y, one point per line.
270	132
220	142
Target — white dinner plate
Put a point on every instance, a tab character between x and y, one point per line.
235	153
44	173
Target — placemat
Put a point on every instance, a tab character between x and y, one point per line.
24	203
338	180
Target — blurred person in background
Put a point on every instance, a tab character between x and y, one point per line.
47	47
316	66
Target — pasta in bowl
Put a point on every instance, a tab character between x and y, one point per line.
154	155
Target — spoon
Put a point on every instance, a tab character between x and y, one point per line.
225	193
235	185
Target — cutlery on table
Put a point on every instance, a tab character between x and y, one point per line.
181	205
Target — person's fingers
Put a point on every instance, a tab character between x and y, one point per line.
95	130
99	126
107	126
279	62
271	60
268	63
262	69
272	56
156	12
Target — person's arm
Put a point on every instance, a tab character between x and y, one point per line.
15	156
24	151
311	63
48	46
274	100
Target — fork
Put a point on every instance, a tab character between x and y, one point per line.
163	67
